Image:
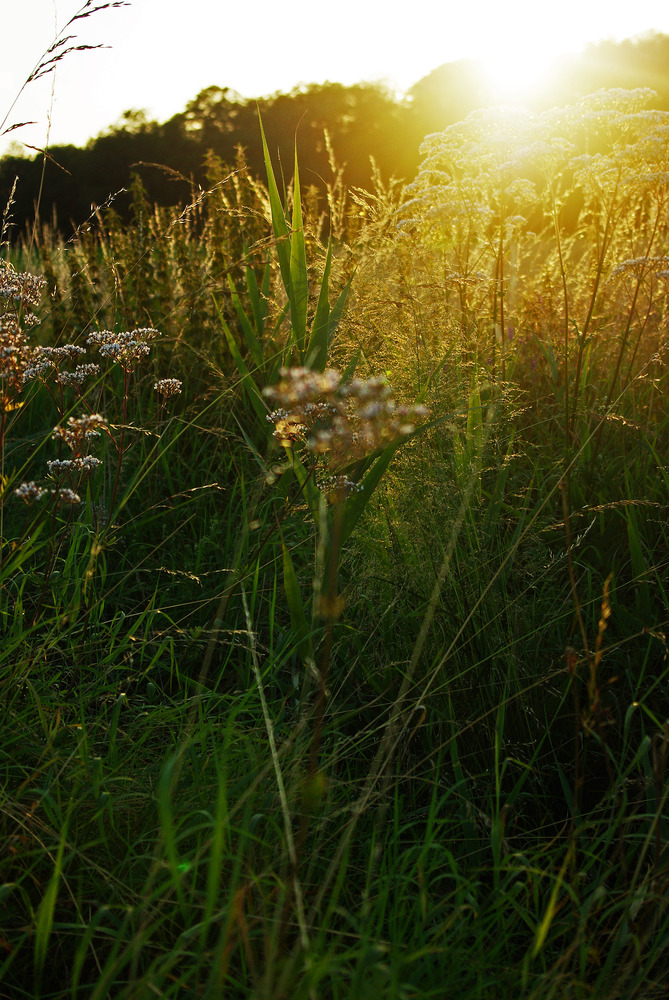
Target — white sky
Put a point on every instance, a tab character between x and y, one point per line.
163	52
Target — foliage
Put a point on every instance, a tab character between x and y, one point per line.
286	718
362	123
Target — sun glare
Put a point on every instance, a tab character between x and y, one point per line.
516	75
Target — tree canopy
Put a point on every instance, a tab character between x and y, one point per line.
361	121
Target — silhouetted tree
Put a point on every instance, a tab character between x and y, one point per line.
362	121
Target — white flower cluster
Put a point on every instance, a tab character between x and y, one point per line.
21	288
75	435
79	375
168	387
340	423
83	463
30	491
126	348
80	429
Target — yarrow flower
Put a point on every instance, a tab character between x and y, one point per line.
340	423
80	429
127	348
30	491
79	375
66	496
168	387
18	293
21	288
84	463
47	360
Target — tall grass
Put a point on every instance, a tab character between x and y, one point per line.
312	693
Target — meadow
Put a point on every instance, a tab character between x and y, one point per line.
334	580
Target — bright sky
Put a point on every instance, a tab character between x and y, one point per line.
163	52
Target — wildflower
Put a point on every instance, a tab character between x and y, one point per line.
340	423
83	463
21	288
80	429
126	349
30	491
168	387
66	496
79	375
46	360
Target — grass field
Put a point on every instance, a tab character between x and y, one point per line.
334	598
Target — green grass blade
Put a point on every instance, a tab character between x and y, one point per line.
45	913
317	355
279	224
249	386
298	617
298	290
259	297
252	342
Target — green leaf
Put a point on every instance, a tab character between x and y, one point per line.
298	618
279	225
259	298
349	371
46	910
544	926
317	355
249	386
310	491
298	290
355	505
255	349
337	310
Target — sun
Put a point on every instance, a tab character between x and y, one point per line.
516	74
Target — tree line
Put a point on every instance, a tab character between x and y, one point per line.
353	124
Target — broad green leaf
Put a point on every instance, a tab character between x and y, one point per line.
370	472
326	320
310	492
349	371
355	504
336	312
